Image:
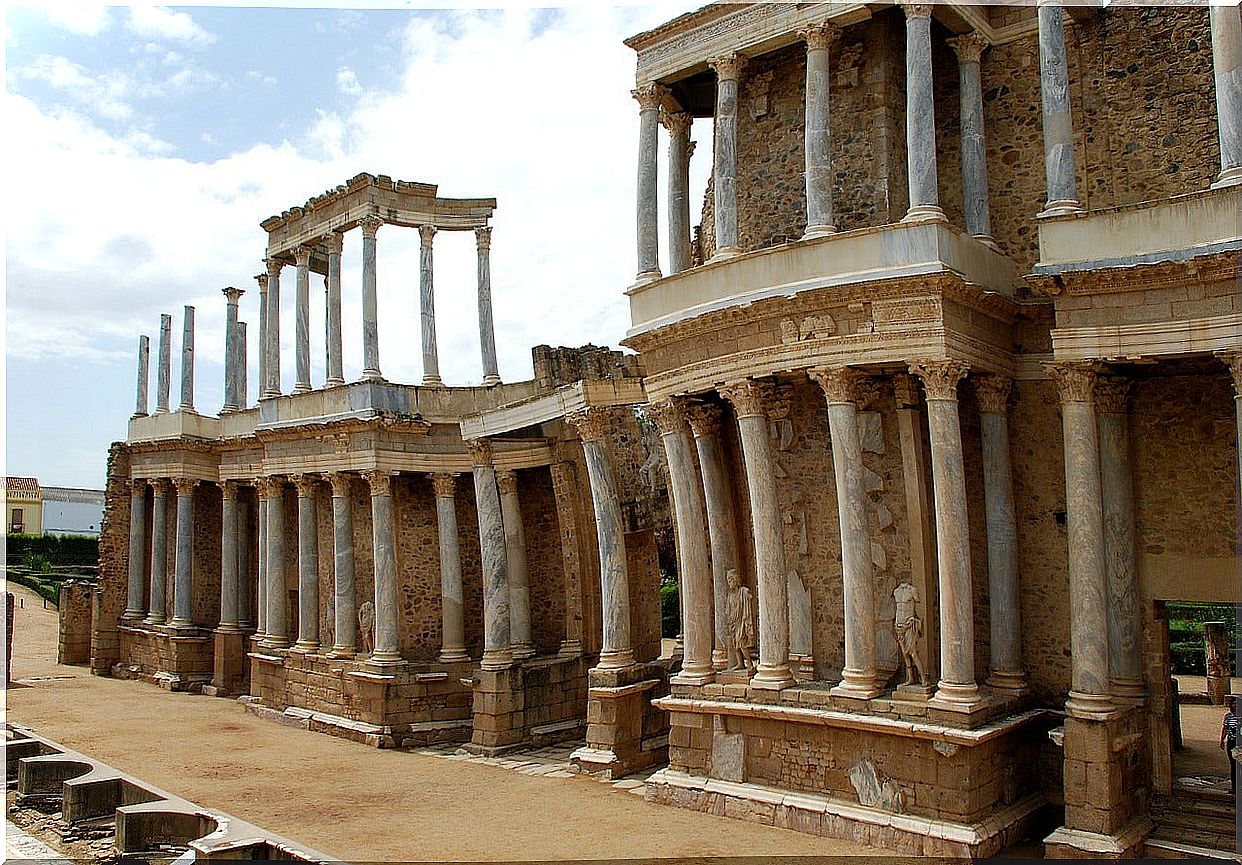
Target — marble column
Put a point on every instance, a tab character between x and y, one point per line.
384	532
704	421
308	565
427	306
163	375
694	566
1125	649
187	361
301	329
157	608
515	563
452	621
487	334
649	96
817	134
957	688
370	302
920	117
135	607
1005	602
271	341
916	474
144	375
843	389
680	149
335	364
229	582
243	370
245	555
592	426
261	279
260	600
1058	121
276	635
183	573
343	570
564	492
969	48
1234	361
1088	580
728	71
232	372
1227	65
749	398
497	654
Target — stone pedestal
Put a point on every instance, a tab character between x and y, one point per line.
229	663
499	705
625	733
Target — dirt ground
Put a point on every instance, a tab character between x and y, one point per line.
349	800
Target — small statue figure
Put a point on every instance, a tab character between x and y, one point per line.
909	628
741	618
366	627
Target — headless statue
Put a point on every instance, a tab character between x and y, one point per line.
741	619
366	627
909	628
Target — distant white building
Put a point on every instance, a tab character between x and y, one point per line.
69	511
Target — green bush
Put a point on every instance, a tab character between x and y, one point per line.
59	550
670	609
48	588
38	563
1187	659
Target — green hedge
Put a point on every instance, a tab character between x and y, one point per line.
60	550
1187	659
46	586
670	609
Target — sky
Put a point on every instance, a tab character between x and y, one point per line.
144	145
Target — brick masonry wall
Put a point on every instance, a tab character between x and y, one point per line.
74	609
113	563
545	564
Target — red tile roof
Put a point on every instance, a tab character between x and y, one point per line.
21	485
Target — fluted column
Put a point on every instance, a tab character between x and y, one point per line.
728	70
592	426
749	399
271	343
370	302
144	375
187	361
649	96
1004	611
343	571
301	329
276	635
842	389
308	565
1088	581
704	421
817	134
261	279
680	149
1058	120
969	48
1227	65
232	372
163	375
957	688
487	334
453	629
229	583
1125	655
427	306
384	531
135	606
497	654
183	574
920	116
515	561
564	492
157	608
336	370
260	599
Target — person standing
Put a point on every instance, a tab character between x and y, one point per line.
1229	740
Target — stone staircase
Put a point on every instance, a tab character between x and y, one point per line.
1193	824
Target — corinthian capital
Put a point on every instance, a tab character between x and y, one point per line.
274	266
302	255
1233	359
506	482
380	481
590	422
969	46
232	295
940	377
916	10
729	67
306	485
480	452
819	36
483	237
840	384
271	486
333	242
340	484
185	486
444	484
749	397
1075	381
1112	394
668	414
649	95
426	233
370	225
992	391
704	418
677	123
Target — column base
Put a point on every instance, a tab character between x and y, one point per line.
1228	177
228	629
305	647
647	276
725	252
522	651
814	231
182	626
269	394
372	375
696	675
153	619
720	659
615	660
1091	707
496	659
134	616
1060	207
570	649
1010	684
925	213
491	380
138	414
987	240
856	688
301	388
772	678
1128	692
270	642
454	655
432	381
957	697
334	382
385	660
343	653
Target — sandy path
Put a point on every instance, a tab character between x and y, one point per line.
352	801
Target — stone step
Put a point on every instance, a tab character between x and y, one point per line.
1188	825
1162	848
1208	839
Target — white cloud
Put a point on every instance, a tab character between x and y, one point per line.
347	81
87	19
103	95
158	22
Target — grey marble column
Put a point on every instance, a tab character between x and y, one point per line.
487	335
1088	581
649	97
704	421
515	562
243	367
135	605
232	371
749	399
229	582
308	565
387	649
728	70
592	426
157	608
452	620
957	688
565	493
277	634
920	117
969	49
1005	613
260	600
144	376
427	306
680	149
370	300
1227	65
187	361
842	387
817	134
301	329
261	279
245	574
695	572
497	653
343	570
1125	644
163	375
335	364
183	573
271	342
1058	122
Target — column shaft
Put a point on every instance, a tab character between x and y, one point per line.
920	117
157	608
721	523
277	633
969	50
497	653
649	97
245	579
452	621
135	608
187	361
336	369
243	367
370	304
260	600
271	344
263	311
163	375
427	306
680	149
725	155
384	531
564	492
183	575
308	566
144	375
343	571
301	331
1058	122
487	335
818	135
228	561
232	353
1227	65
515	562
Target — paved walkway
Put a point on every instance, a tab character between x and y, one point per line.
19	846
